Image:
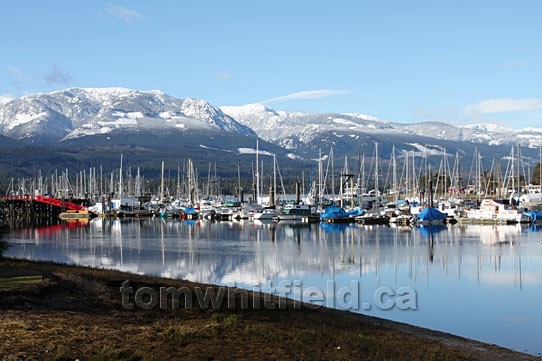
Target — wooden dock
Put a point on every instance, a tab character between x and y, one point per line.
33	209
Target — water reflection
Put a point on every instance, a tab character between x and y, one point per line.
214	250
487	277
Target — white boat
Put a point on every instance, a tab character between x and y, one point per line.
247	211
497	212
266	214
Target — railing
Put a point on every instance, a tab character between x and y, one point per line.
17	198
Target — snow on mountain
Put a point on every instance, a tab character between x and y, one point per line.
487	127
280	127
77	112
288	128
258	117
253	151
531	130
4	100
427	149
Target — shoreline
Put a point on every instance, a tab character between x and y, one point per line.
74	312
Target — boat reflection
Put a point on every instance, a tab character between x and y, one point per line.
251	252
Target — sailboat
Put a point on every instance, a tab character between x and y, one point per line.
533	197
500	211
373	201
430	215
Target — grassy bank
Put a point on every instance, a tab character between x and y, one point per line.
58	312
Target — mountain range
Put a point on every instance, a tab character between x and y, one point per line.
293	129
75	112
111	117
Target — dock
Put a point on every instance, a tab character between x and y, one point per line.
28	209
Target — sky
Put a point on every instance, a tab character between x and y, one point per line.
460	62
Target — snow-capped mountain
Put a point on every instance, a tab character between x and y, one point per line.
277	126
292	130
77	112
82	115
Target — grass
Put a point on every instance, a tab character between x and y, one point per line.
76	313
12	282
15	277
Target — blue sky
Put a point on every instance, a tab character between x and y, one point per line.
460	62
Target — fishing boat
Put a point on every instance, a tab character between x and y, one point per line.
497	212
299	213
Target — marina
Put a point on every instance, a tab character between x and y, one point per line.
454	269
415	195
168	174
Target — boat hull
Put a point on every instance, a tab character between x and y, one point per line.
73	215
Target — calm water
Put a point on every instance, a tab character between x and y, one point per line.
481	282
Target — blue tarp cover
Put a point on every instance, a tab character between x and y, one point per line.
431	214
338	212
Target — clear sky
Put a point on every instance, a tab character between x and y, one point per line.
462	61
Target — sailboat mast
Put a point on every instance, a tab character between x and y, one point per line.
362	172
162	184
274	178
239	183
120	178
414	179
499	185
513	170
519	170
257	172
376	170
320	176
407	176
138	183
332	173
394	173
